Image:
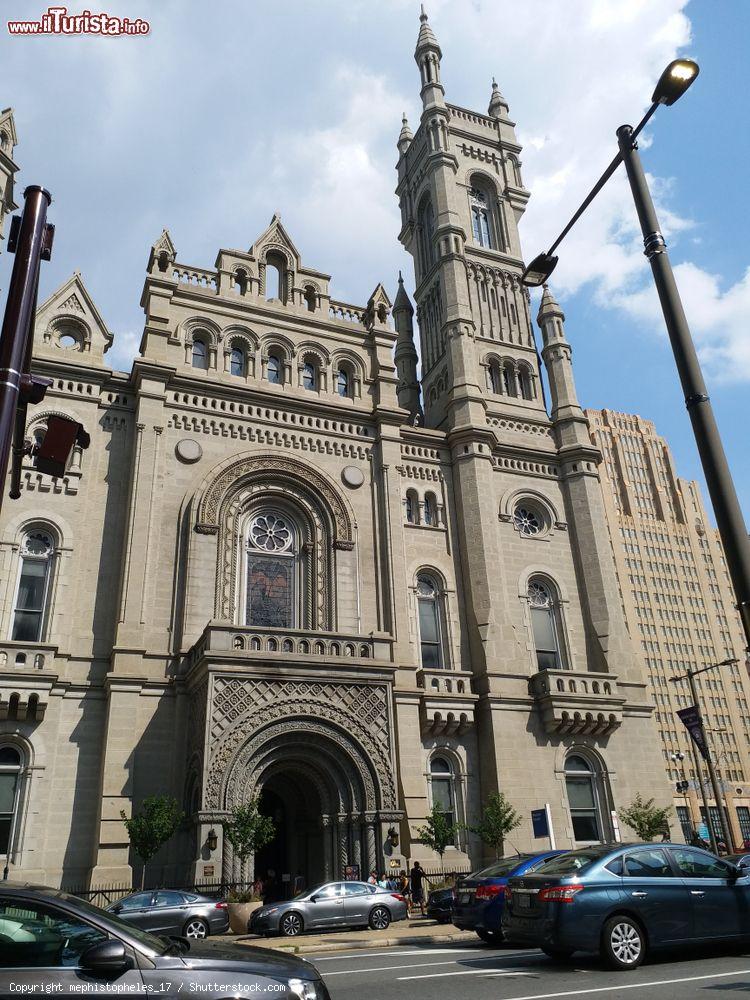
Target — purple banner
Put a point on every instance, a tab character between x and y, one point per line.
691	719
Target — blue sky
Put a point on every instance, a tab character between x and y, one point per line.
216	120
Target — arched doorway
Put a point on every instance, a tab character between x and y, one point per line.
322	791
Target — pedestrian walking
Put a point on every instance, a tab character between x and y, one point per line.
416	877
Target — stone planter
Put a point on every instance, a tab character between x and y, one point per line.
239	915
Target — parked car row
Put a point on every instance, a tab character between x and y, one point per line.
620	901
51	941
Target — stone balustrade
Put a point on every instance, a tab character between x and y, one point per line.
577	702
447	706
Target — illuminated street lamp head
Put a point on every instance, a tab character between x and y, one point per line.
539	270
674	81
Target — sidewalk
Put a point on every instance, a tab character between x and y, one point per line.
405	932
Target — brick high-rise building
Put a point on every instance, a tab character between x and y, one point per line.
680	607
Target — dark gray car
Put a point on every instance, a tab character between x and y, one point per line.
329	905
52	941
167	911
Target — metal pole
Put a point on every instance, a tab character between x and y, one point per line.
704	798
711	774
18	317
727	511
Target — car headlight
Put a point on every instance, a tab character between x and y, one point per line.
266	911
306	989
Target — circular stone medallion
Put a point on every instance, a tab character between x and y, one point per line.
352	476
188	450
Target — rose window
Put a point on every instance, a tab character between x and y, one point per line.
270	532
527	521
539	595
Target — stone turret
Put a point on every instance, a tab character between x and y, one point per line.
406	136
406	357
428	55
557	355
498	105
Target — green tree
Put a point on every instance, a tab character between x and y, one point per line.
438	834
645	818
498	819
152	826
249	830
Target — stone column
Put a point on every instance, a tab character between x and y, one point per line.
325	822
343	843
356	849
370	832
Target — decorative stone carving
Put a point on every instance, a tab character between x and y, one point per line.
188	450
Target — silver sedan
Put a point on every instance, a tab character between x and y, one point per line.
328	905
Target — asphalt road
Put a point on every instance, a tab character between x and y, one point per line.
481	972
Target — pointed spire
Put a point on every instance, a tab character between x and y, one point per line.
426	39
498	105
402	302
405	136
405	357
549	308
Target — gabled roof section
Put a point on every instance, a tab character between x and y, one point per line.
276	238
8	125
70	328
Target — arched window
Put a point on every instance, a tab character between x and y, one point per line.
524	382
481	224
240	281
442	789
10	787
430	641
493	377
583	799
237	362
32	594
310	376
310	298
272	597
274	272
544	625
509	379
200	353
274	369
343	383
412	506
430	509
427	234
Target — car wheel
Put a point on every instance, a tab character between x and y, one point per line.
196	929
291	924
379	918
623	943
491	937
558	954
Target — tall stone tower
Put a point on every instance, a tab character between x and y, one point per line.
8	169
461	198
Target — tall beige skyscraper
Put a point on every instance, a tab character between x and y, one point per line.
679	604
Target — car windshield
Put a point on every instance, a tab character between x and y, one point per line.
568	864
309	892
157	945
501	867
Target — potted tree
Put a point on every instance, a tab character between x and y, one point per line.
247	831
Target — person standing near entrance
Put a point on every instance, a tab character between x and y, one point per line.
416	878
373	879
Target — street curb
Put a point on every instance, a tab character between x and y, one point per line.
391	942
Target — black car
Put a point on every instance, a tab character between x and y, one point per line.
625	900
440	905
167	911
49	938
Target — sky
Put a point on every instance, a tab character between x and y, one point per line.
226	113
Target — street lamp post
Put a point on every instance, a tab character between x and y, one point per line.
718	799
674	81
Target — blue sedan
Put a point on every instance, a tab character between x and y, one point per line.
479	899
626	900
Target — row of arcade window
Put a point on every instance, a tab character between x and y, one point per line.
486	231
507	378
584	785
544	610
423	512
310	373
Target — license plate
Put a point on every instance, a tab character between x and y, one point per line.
465	897
523	901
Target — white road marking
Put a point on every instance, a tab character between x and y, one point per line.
630	986
419	965
471	972
386	954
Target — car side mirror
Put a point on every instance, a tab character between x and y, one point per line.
734	871
106	958
116	909
313	899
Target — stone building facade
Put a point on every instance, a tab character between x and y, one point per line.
679	604
289	567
